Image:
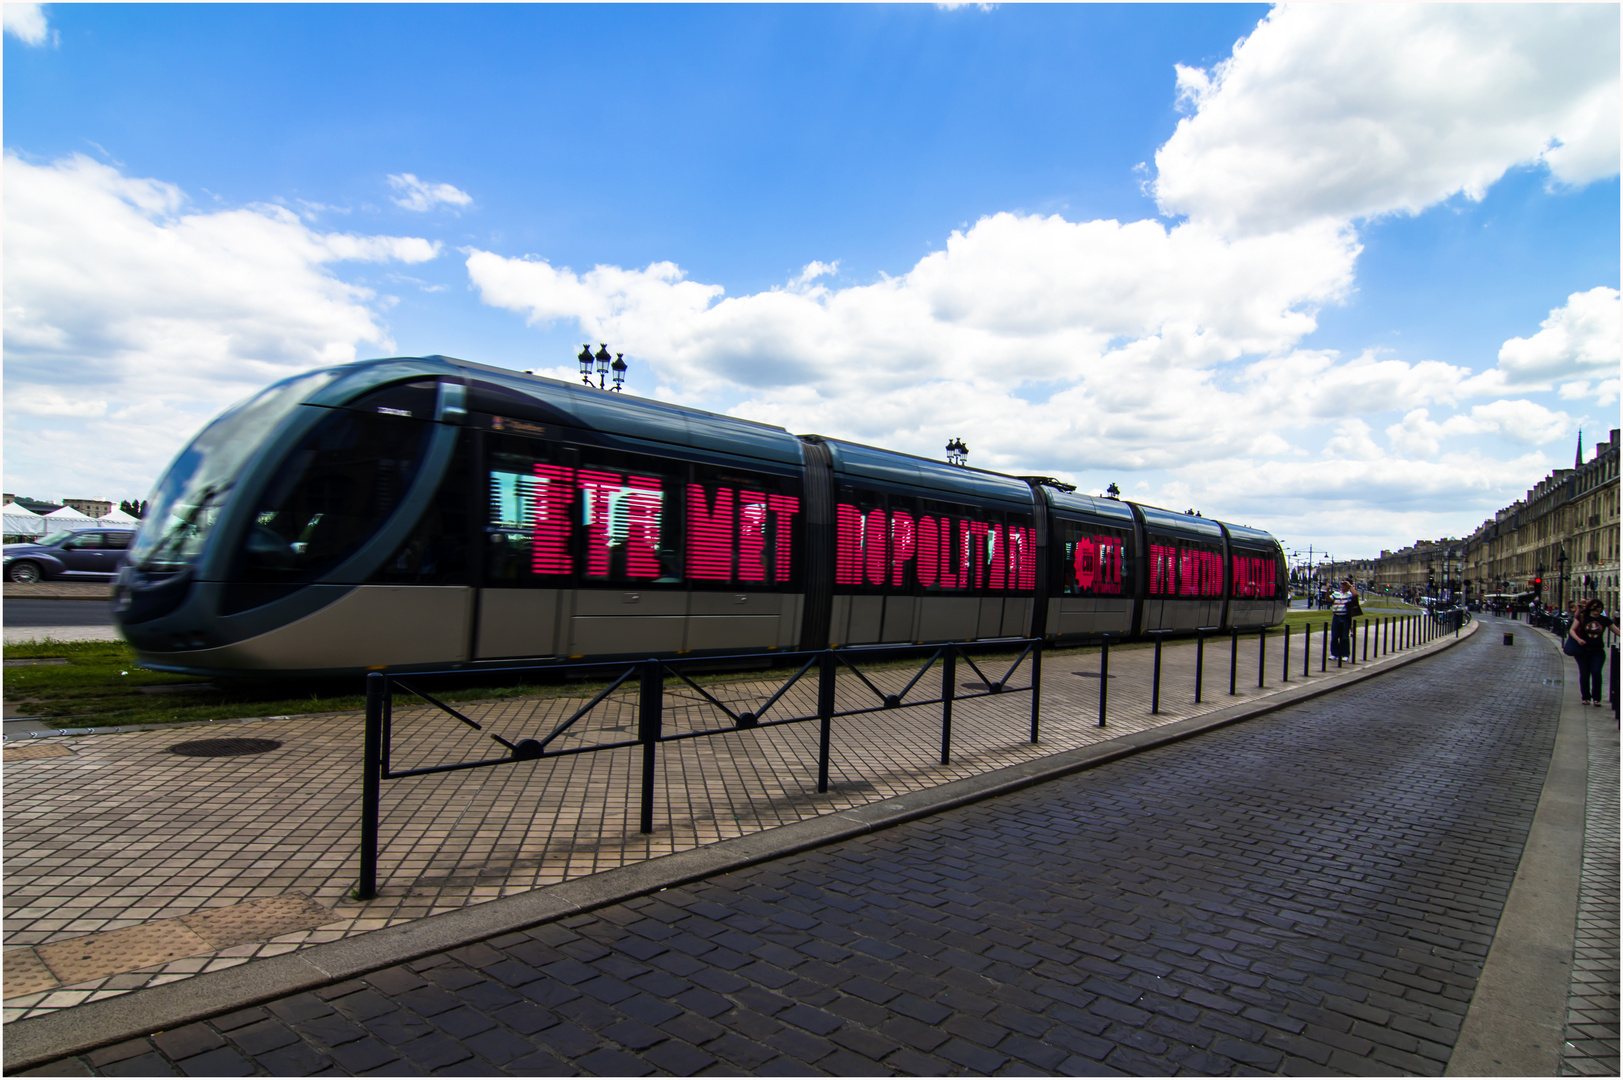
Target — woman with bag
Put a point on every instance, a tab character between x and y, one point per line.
1343	607
1586	643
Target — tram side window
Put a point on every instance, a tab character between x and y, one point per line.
1256	576
745	529
604	517
530	499
334	491
890	543
1179	566
1096	560
436	553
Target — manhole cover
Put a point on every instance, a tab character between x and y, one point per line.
224	747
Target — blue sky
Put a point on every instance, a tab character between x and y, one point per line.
1262	264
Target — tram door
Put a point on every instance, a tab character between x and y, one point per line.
1185	582
1095	592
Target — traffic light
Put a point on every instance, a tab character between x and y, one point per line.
1538	587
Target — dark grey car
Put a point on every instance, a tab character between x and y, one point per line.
71	554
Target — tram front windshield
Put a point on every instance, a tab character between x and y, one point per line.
187	501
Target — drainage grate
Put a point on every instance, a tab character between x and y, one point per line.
1088	674
224	747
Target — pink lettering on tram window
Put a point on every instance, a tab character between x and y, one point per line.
927	550
1086	562
901	544
997	556
784	508
643	504
952	540
710	534
549	550
751	536
595	488
873	546
847	545
976	567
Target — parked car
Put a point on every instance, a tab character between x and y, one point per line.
69	555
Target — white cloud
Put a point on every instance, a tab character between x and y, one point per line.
140	317
1046	343
416	195
1347	111
46	401
1088	349
26	23
1582	340
1521	421
809	274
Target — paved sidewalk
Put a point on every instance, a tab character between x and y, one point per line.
114	842
1591	1045
1315	892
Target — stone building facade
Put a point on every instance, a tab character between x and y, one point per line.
1560	540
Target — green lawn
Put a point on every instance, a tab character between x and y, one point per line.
100	686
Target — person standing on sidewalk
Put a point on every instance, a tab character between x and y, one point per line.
1587	645
1343	606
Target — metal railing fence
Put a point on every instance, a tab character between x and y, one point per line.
382	689
1382	635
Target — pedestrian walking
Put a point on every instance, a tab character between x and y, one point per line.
1344	607
1586	643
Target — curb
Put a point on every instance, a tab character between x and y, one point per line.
160	1008
1516	1021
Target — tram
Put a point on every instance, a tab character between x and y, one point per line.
429	513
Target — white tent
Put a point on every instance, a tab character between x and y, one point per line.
116	516
68	517
21	521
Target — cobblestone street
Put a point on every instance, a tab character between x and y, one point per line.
1311	892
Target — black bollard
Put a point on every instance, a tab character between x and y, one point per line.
1234	653
1200	660
1104	677
1155	683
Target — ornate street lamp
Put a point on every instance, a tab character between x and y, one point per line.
603	367
1561	582
957	452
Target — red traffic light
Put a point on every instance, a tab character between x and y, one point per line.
1538	581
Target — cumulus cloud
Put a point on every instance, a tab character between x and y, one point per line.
26	23
1090	348
1349	111
127	309
1521	421
1039	339
416	195
1577	348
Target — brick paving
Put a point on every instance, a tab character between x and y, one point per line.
1311	892
122	832
1591	1046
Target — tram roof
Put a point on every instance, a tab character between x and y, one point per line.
579	406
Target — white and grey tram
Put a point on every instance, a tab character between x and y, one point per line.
429	513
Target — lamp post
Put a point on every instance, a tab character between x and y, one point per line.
957	452
1561	582
603	367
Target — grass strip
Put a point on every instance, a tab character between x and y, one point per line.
101	686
